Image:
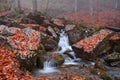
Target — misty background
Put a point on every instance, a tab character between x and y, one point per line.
56	7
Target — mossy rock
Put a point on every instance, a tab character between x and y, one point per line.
100	65
105	76
58	58
49	44
39	62
30	61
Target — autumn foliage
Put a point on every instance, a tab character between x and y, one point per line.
9	66
99	19
91	42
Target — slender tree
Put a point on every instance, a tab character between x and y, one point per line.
91	10
47	6
116	4
19	5
34	2
75	9
75	6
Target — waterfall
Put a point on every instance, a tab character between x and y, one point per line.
48	67
63	46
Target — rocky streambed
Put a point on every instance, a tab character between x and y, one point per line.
34	37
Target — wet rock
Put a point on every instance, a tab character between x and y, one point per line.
30	61
100	65
75	32
69	27
52	32
115	44
113	59
91	47
57	22
59	60
48	42
104	75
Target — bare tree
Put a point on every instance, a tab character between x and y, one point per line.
116	4
19	5
34	2
75	6
47	6
91	10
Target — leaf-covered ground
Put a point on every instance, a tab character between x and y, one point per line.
99	18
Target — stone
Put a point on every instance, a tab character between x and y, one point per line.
52	32
100	65
113	59
104	75
59	60
24	40
75	33
91	47
48	42
57	22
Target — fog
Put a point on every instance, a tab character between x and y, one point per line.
70	9
54	7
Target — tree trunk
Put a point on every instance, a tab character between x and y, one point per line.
116	4
75	6
34	2
19	5
75	9
91	8
47	6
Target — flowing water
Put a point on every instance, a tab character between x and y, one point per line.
63	46
48	67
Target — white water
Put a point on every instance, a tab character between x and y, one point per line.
63	46
48	67
63	43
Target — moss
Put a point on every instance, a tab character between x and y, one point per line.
100	66
59	59
43	49
39	62
105	76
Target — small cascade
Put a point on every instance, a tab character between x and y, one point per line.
48	67
64	46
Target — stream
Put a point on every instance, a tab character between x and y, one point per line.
72	64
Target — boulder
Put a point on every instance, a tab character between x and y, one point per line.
56	58
57	22
52	32
93	46
75	32
48	42
24	40
113	59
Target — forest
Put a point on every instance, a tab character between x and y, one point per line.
59	39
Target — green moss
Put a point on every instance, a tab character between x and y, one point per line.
100	66
59	59
105	76
39	62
